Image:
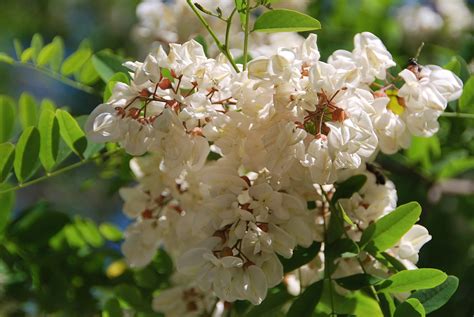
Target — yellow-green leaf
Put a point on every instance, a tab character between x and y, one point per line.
27	110
7	118
74	63
36	46
26	156
5	58
409	280
410	308
7	154
284	20
52	54
389	229
26	55
48	127
71	132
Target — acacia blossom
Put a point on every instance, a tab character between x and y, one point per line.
236	170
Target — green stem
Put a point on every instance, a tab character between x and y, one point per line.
246	30
458	115
227	31
65	80
222	47
60	171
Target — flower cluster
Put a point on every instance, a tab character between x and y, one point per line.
233	158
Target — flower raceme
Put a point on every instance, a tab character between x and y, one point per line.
283	132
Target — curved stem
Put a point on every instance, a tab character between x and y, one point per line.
222	47
60	171
65	80
246	30
458	115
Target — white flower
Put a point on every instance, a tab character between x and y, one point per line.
141	243
409	246
103	125
372	56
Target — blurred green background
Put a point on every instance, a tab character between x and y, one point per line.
51	271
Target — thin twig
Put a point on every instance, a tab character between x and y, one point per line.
65	80
246	30
459	115
219	44
60	171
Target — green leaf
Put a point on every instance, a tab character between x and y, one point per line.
434	298
348	187
7	118
304	304
112	308
389	229
7	202
7	155
71	132
409	280
394	262
387	304
26	55
410	308
357	281
466	102
52	54
147	277
107	64
300	257
27	110
75	62
110	232
276	298
345	248
73	236
5	58
48	127
89	232
18	48
132	296
47	104
26	157
283	20
36	46
87	75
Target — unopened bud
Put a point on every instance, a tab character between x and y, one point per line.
263	227
164	84
226	252
134	113
147	214
338	115
144	93
247	180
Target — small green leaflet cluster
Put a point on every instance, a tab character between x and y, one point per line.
46	132
81	70
430	288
